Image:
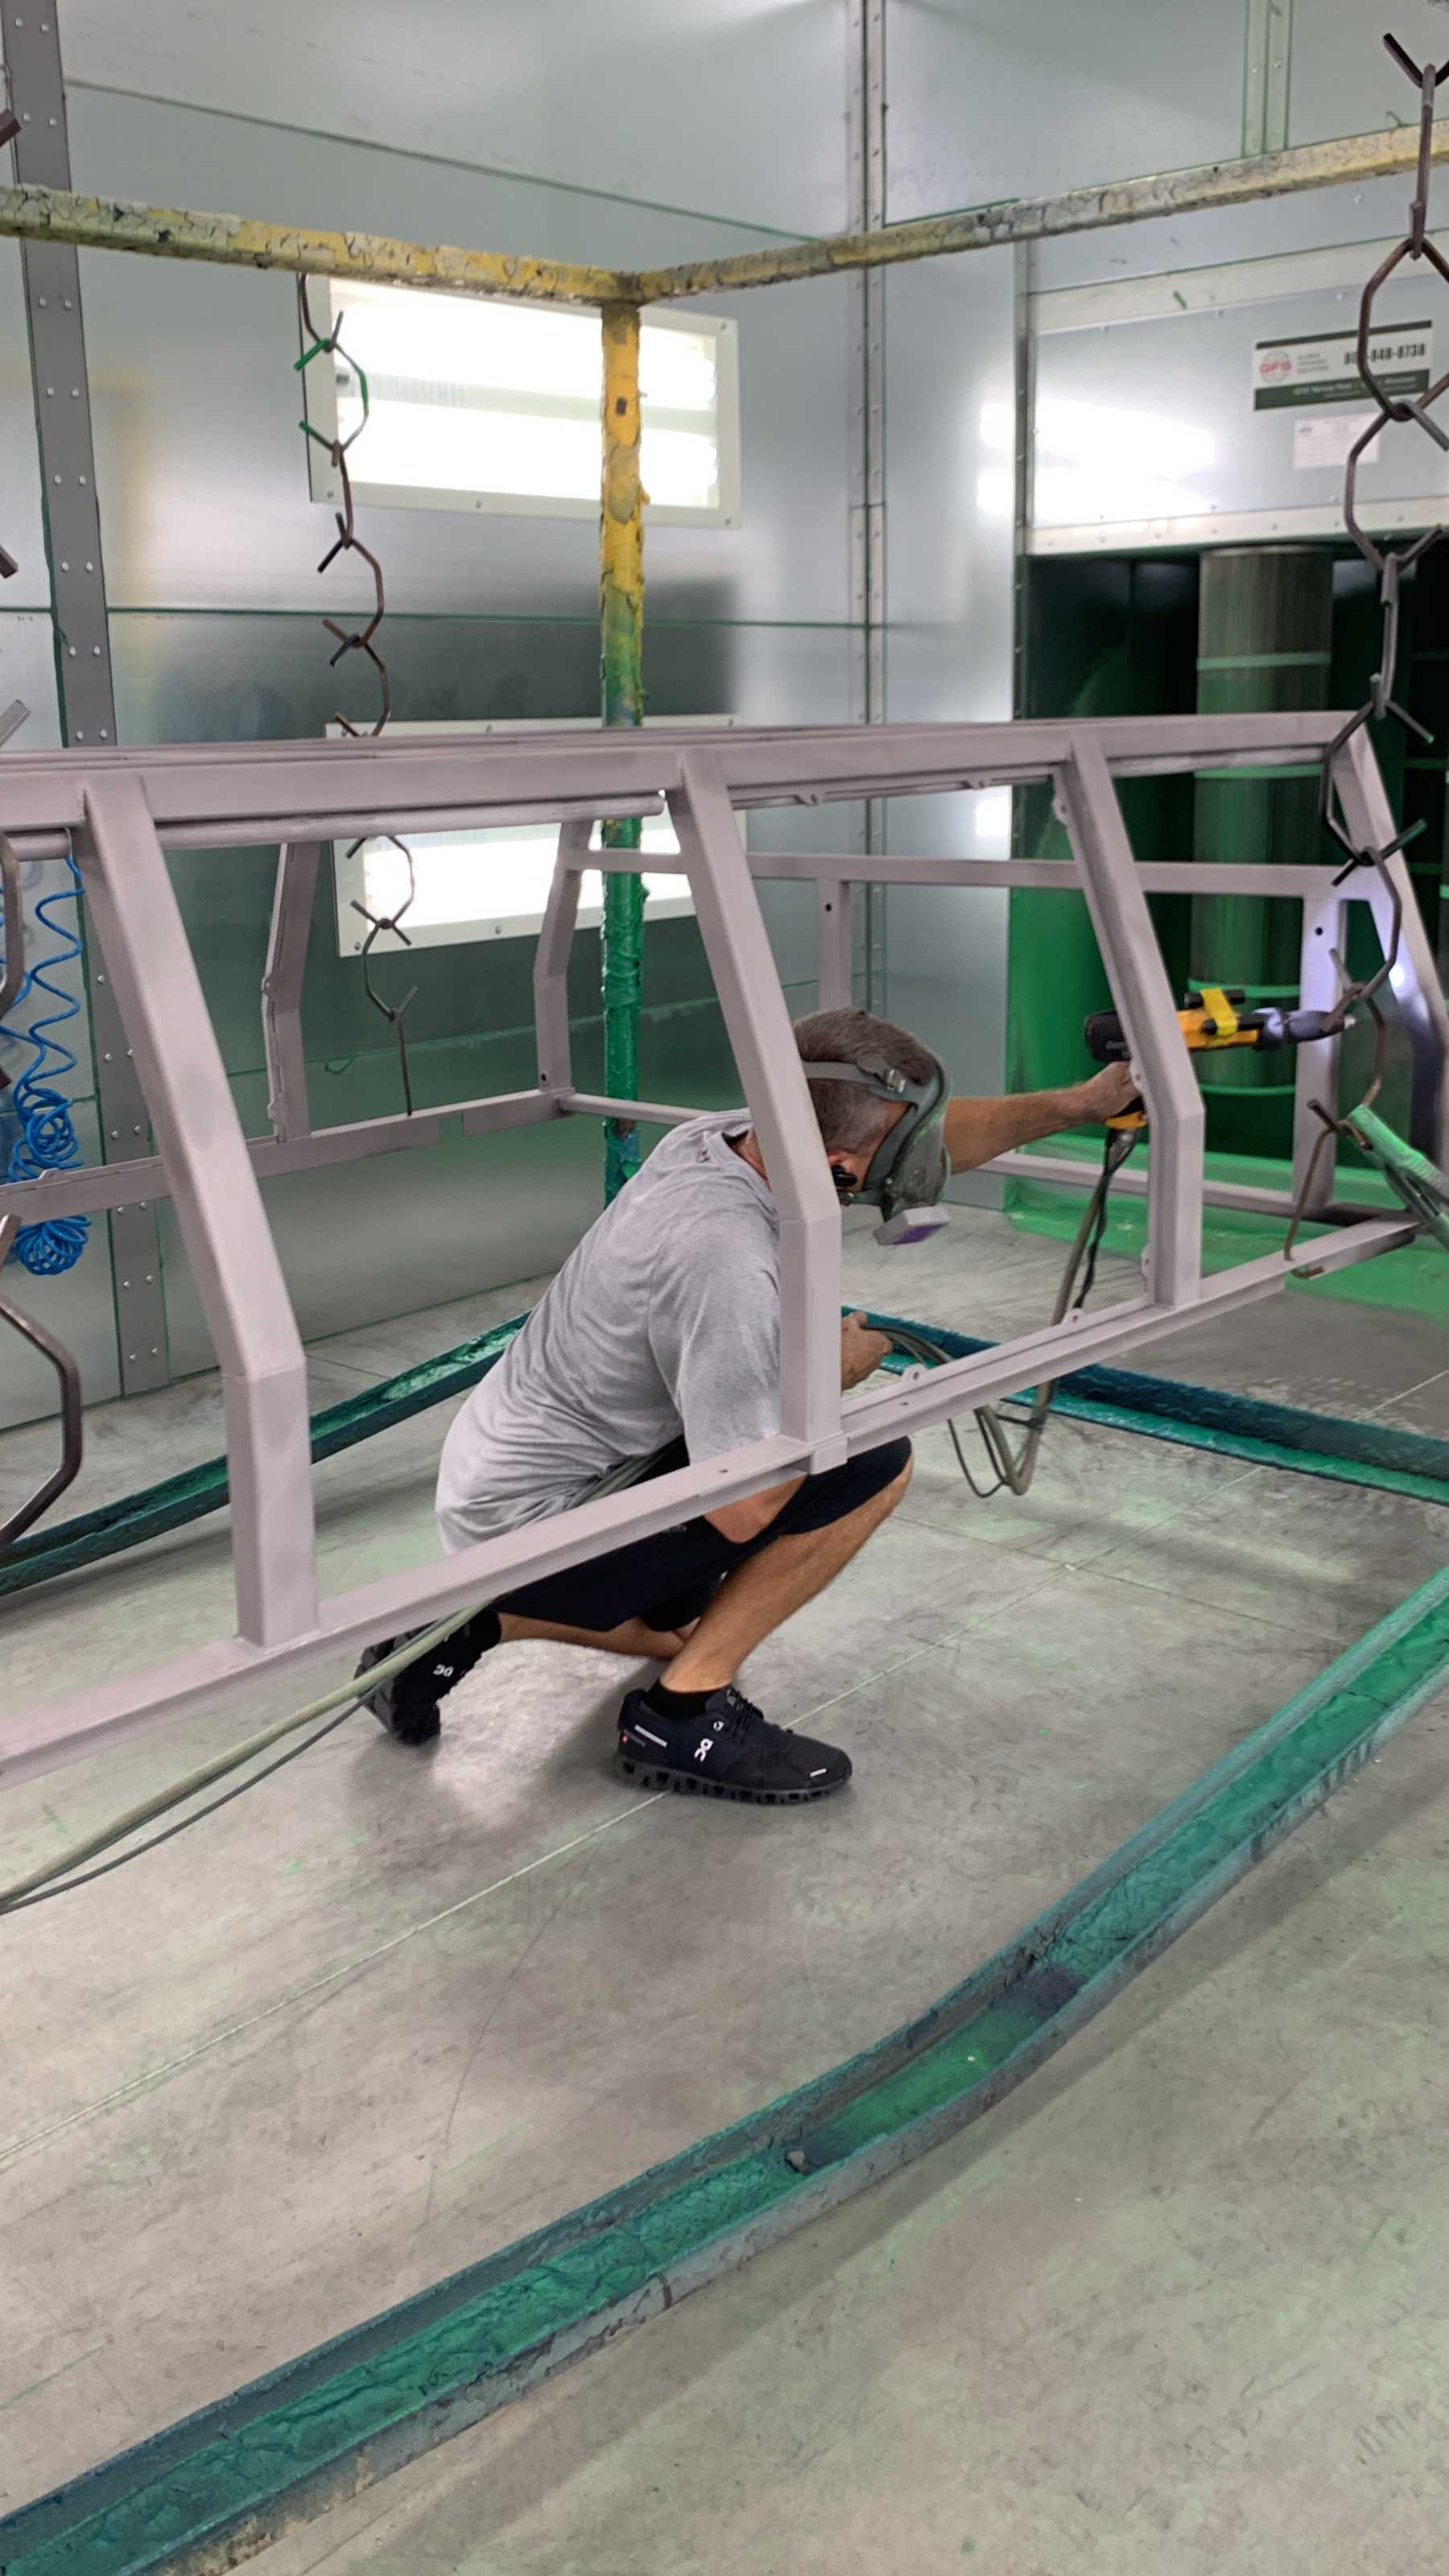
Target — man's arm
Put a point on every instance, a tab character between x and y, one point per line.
975	1130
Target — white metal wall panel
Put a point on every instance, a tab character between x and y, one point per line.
1342	80
718	105
1008	98
201	467
948	643
21	534
1153	422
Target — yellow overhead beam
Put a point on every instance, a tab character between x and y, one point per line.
241	241
1078	210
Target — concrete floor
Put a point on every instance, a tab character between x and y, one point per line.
1181	2305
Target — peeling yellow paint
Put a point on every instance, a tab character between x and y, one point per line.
244	241
1078	210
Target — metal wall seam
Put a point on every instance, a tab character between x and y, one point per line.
82	644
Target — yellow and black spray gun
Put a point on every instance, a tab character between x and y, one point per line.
1212	1016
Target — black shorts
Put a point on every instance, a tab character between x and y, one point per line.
669	1579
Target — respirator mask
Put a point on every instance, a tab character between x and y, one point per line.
909	1169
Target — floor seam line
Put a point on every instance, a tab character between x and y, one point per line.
136	2085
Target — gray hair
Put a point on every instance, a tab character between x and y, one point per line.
853	1120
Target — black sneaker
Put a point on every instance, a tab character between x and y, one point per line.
407	1712
727	1750
408	1704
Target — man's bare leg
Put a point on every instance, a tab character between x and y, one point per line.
753	1601
632	1637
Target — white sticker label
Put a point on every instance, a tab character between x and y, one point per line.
1323	439
1296	374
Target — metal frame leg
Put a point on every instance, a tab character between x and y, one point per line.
287	1109
133	908
1415	983
834	947
758	1024
1138	978
13	1524
1315	1072
551	961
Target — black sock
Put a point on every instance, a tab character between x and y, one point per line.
675	1703
457	1654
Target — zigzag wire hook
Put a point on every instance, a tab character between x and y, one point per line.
1394	410
1390	563
317	344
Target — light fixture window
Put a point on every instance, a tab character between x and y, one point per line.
477	405
487	884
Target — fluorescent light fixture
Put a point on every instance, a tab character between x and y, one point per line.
488	884
474	405
485	885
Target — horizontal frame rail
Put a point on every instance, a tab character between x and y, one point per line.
87	1721
225	795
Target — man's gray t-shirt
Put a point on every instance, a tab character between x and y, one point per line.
666	1320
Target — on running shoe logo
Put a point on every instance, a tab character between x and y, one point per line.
703	1748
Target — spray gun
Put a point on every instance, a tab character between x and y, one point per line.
1211	1017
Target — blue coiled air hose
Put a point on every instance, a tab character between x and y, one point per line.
43	1138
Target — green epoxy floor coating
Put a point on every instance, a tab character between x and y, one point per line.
1126	2324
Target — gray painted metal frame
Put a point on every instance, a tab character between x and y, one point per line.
121	809
82	637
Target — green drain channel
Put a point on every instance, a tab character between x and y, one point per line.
1199	1417
224	2483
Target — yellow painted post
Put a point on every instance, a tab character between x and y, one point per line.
621	618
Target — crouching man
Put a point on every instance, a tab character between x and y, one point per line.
660	1339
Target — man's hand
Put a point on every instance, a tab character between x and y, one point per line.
861	1352
1105	1095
